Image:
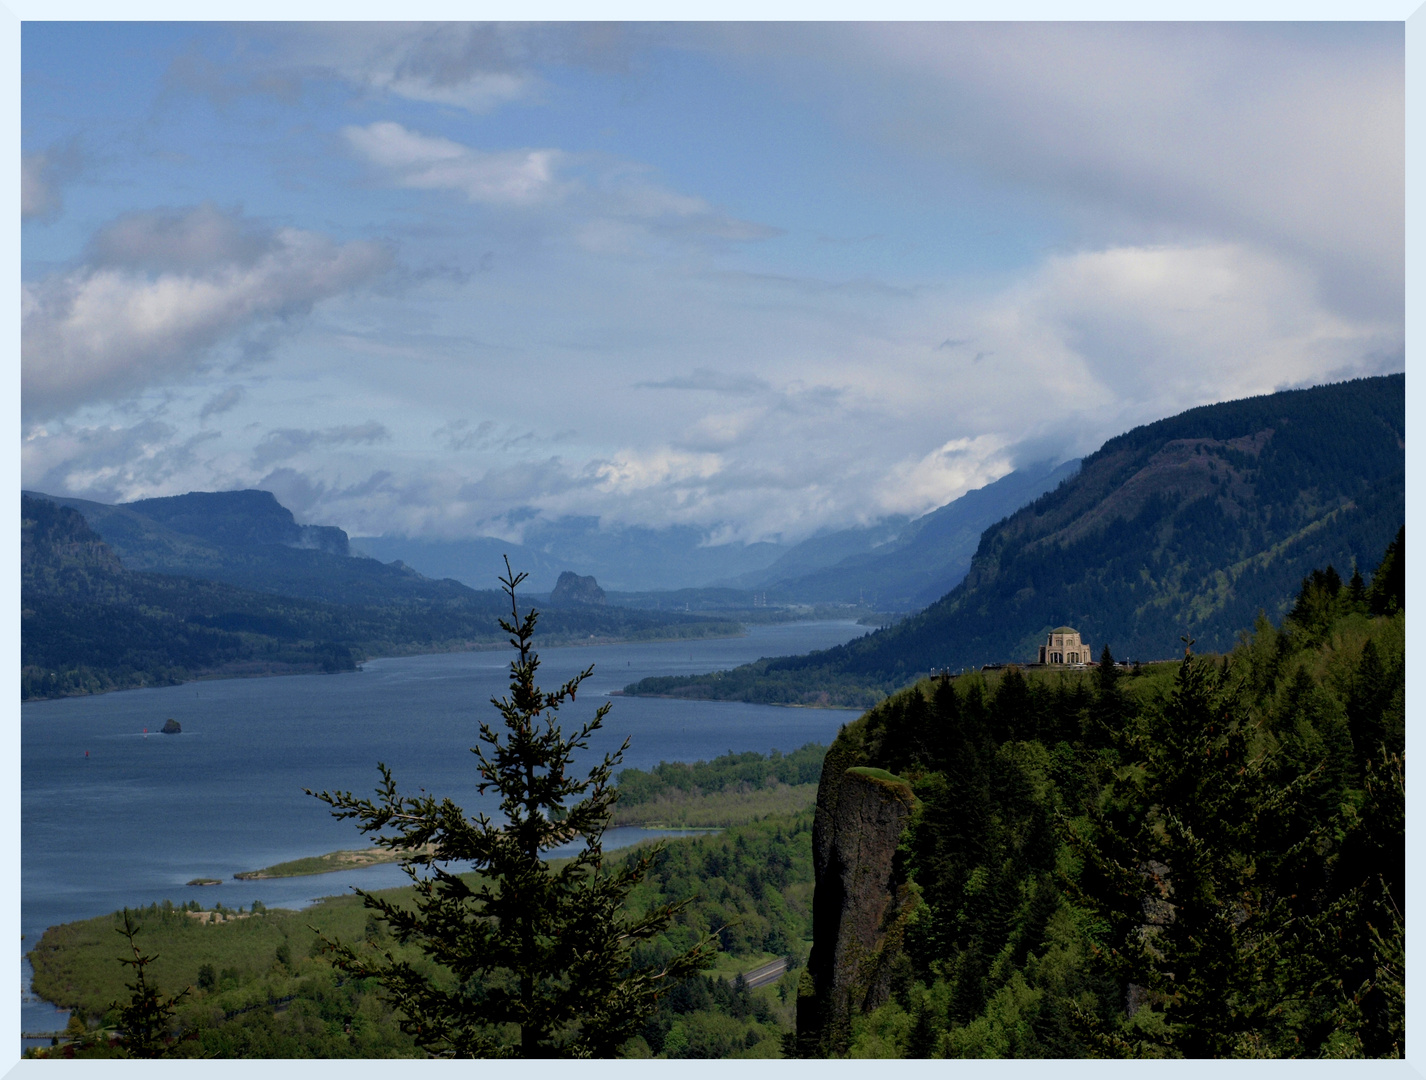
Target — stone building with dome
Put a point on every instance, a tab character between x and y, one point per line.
1064	646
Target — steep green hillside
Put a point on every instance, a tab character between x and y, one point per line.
1203	860
1188	526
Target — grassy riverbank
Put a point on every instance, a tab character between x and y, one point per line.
732	790
260	984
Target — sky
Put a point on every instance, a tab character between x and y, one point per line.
446	280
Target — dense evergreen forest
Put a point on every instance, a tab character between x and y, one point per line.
1202	859
1192	524
90	624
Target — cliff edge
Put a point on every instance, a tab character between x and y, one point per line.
861	901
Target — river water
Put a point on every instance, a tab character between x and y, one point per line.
113	814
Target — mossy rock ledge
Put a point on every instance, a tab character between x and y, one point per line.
171	727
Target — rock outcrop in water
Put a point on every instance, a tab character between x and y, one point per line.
861	903
171	727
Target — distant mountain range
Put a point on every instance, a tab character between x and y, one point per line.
227	583
1185	527
1188	526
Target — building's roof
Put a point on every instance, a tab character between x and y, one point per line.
1064	630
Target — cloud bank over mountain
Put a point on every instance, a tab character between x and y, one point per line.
446	281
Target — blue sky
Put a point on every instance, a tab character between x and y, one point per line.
436	280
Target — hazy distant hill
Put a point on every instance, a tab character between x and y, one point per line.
1188	526
248	538
87	624
822	551
911	563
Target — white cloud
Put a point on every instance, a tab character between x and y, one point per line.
615	206
471	66
843	406
164	289
111	463
663	468
1147	331
1227	204
1289	136
959	465
514	177
186	242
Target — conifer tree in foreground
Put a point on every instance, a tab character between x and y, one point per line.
531	961
147	1018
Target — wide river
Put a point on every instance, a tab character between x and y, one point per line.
113	814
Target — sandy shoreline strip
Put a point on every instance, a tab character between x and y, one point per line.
331	862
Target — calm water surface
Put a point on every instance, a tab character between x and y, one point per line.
113	816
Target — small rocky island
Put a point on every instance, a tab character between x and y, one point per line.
171	727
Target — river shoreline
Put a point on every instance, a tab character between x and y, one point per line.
564	642
226	796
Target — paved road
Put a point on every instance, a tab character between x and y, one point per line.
761	976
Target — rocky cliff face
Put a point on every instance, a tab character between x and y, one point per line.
861	902
240	518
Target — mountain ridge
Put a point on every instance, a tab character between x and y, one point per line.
1184	527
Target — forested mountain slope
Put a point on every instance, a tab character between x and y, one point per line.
1185	527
